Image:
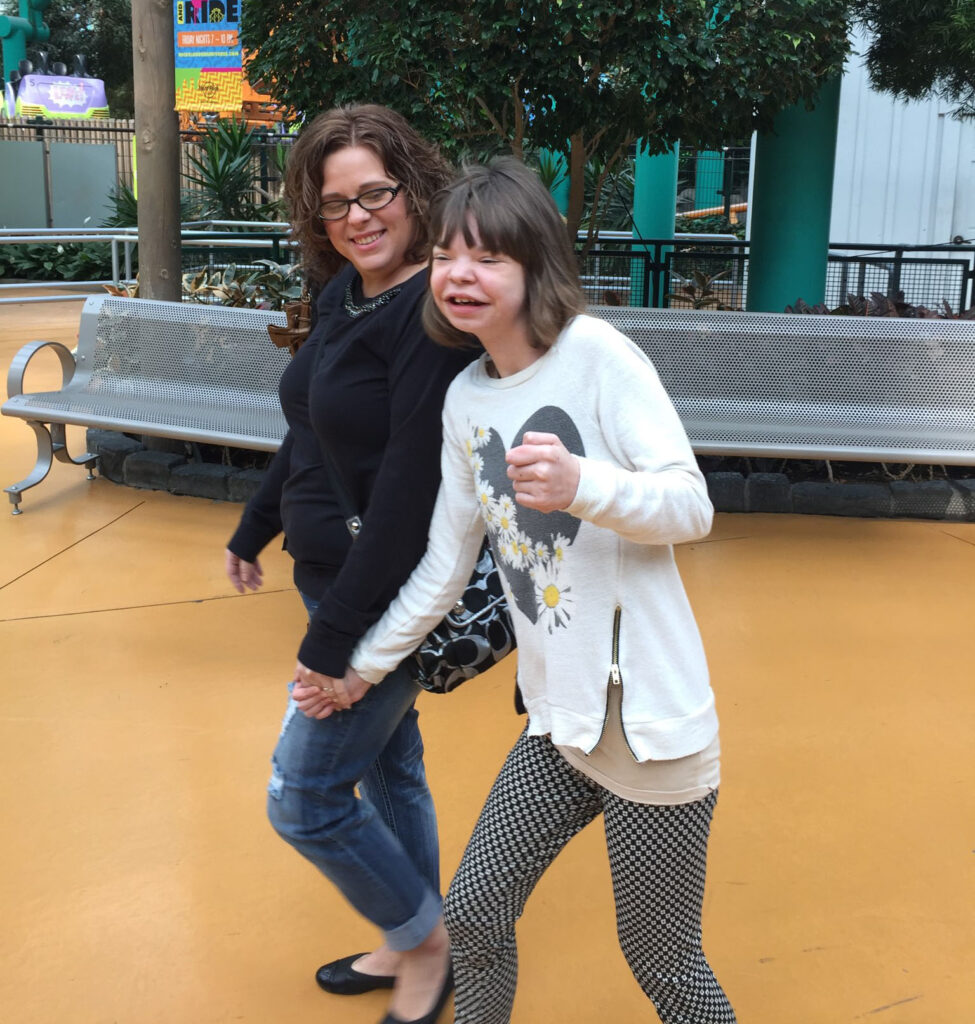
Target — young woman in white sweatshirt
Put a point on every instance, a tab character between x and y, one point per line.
561	445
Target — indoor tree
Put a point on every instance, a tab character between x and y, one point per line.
586	78
919	47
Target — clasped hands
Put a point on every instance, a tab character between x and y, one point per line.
545	476
319	696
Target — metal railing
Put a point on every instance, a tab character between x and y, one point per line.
619	270
214	244
716	180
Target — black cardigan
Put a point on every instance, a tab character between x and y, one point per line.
370	389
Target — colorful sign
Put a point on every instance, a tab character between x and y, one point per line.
208	55
57	96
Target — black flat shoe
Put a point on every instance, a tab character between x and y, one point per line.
341	979
431	1017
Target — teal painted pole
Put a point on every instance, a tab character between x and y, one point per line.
791	201
654	203
708	178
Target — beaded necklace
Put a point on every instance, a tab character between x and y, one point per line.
357	309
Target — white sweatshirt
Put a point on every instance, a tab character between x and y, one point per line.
590	588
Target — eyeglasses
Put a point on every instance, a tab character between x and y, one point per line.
373	199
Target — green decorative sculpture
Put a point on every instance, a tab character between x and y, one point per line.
17	32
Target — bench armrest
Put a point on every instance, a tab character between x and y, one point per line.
18	367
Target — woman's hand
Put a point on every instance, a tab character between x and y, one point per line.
243	575
545	473
318	696
312	701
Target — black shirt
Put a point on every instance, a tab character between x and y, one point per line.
369	389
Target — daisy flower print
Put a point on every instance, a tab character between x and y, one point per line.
506	518
553	599
485	495
560	545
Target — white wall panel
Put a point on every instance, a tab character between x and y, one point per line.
905	172
963	218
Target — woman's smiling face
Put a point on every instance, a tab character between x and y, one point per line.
480	292
373	241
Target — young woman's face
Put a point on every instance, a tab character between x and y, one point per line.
373	241
480	292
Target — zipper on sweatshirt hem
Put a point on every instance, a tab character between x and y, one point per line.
616	679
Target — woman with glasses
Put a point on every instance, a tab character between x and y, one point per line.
363	399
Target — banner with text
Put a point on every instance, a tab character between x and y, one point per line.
208	55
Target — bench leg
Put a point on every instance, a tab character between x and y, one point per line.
51	444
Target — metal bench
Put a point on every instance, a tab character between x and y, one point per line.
168	369
761	384
872	389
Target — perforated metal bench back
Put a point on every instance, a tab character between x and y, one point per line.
768	383
743	383
178	369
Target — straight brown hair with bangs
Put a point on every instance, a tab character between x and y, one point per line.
504	208
407	157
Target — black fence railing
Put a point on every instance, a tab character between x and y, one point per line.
214	250
714	180
669	272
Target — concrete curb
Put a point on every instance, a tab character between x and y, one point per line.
947	500
125	460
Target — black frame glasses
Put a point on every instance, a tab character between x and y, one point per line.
371	200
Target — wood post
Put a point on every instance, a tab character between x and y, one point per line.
157	149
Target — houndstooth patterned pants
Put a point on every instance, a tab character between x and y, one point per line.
657	856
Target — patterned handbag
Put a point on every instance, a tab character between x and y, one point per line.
474	635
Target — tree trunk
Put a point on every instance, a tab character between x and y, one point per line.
577	186
157	149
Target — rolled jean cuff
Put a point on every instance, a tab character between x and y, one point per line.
419	926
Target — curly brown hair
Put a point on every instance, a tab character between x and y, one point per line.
408	159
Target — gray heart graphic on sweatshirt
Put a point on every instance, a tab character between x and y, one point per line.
538	527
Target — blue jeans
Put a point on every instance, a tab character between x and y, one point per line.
379	847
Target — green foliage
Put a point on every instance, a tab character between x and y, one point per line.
550	168
609	195
919	48
586	79
699	292
715	225
123	207
225	174
268	286
56	262
609	189
879	304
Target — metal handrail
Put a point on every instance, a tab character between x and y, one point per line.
651	252
285	225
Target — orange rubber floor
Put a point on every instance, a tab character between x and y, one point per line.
140	699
